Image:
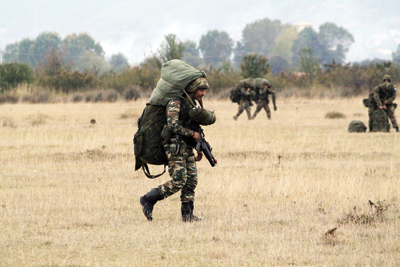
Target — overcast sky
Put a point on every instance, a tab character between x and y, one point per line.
137	27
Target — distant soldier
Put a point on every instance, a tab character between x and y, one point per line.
382	98
246	90
264	89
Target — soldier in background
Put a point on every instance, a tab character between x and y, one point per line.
263	99
382	98
246	91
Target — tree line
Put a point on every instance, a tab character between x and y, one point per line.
283	53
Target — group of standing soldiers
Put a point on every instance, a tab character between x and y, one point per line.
257	89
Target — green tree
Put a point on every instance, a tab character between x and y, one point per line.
74	46
259	37
278	64
191	54
336	41
11	53
307	39
13	74
396	56
284	44
308	64
170	48
33	52
91	62
216	47
239	52
118	62
43	45
254	66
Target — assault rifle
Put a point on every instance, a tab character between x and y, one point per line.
204	146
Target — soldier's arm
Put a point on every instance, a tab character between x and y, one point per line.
376	96
244	92
173	109
392	98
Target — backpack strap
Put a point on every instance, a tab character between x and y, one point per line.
147	171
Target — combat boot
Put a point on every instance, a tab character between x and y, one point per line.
235	117
187	212
397	128
148	200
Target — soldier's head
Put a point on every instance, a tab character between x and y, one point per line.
267	84
197	88
387	78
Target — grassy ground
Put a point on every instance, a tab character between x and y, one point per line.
69	193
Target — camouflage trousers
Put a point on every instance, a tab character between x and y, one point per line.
390	114
183	171
260	105
244	105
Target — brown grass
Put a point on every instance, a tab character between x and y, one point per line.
69	194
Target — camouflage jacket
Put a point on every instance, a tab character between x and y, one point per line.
384	92
177	117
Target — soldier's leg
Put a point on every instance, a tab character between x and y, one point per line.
178	175
248	110
258	109
187	192
390	113
266	107
177	171
241	109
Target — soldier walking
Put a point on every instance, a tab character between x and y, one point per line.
263	99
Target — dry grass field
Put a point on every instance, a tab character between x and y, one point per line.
69	195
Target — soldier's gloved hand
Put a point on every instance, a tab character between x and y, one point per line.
275	108
199	156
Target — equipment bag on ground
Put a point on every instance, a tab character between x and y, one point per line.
357	127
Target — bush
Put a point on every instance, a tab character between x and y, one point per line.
77	97
111	95
334	115
131	93
98	97
14	74
42	97
6	98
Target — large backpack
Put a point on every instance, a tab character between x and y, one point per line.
380	122
235	95
148	142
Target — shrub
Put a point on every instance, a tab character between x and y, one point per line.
334	115
77	97
42	97
7	98
111	95
131	93
13	74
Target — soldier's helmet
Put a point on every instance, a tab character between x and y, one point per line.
199	83
387	77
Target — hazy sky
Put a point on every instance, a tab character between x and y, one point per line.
137	27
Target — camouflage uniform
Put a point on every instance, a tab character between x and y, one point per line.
383	95
263	102
245	97
181	160
182	165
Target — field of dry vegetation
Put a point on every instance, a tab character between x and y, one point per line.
69	195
